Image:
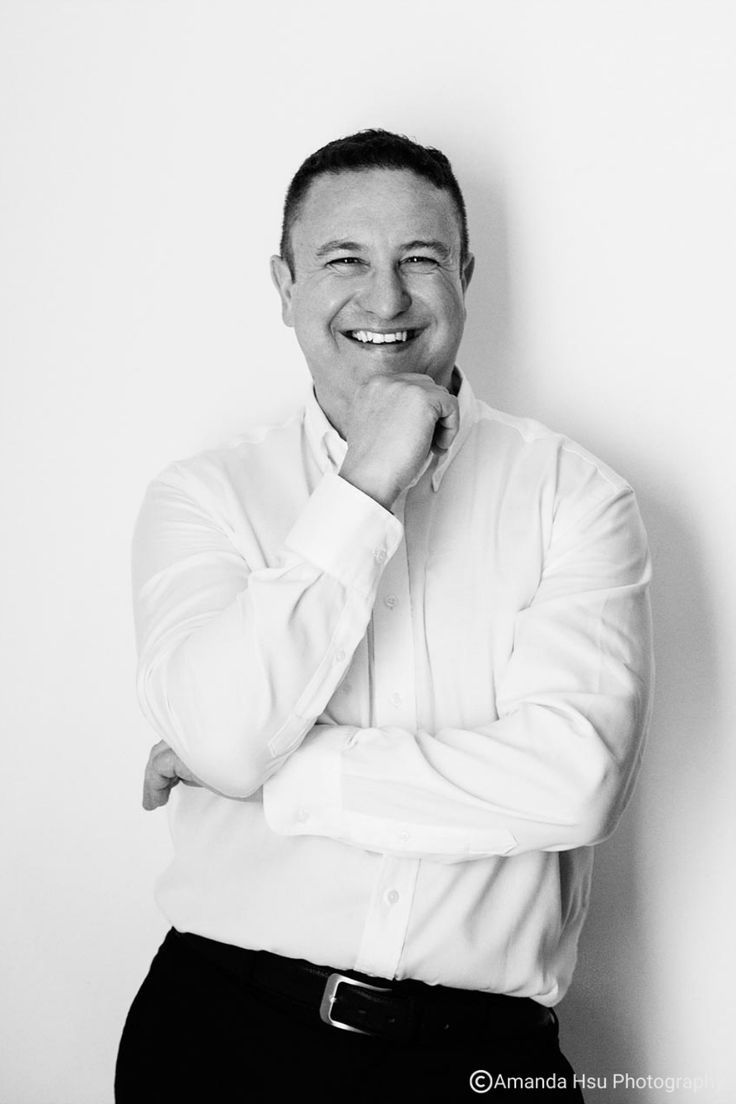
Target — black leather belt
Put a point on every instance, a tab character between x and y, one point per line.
402	1011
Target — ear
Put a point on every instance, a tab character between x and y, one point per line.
467	273
284	283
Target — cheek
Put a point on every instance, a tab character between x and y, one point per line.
317	313
450	310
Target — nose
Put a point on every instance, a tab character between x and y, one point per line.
384	293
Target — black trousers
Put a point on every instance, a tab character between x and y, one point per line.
195	1032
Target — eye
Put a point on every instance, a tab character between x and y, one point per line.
421	264
344	262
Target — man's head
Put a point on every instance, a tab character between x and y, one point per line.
374	264
371	149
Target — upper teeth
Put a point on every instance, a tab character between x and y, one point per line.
380	338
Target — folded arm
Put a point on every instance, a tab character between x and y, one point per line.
236	660
553	771
235	663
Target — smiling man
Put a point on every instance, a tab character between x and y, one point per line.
399	649
378	305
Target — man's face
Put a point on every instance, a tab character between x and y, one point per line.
378	287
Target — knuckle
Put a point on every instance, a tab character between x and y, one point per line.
375	385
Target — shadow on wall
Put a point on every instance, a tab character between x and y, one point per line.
614	1005
615	1017
488	351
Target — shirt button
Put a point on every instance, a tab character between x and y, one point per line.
351	740
396	699
339	656
392	896
302	816
403	837
346	687
380	555
391	601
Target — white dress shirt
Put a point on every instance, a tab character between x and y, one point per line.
418	722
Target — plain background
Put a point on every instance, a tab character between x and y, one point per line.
145	148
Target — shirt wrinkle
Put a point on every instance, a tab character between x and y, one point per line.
450	841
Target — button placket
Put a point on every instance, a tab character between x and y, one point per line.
388	917
392	650
393	647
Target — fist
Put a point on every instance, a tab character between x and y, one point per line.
394	424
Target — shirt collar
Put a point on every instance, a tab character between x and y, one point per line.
329	447
468	411
326	443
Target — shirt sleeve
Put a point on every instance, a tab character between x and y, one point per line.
552	771
236	664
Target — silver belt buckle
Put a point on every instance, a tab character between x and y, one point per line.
330	995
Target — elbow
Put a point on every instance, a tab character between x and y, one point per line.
226	748
594	823
598	801
227	770
600	771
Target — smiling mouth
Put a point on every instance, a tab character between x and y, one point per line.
376	337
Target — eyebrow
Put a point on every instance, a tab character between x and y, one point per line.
335	244
431	243
355	247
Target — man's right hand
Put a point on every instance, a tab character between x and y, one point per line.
395	421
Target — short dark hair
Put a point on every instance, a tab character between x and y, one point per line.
372	149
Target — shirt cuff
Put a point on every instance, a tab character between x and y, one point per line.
346	534
309	796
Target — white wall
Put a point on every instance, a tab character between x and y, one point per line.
145	148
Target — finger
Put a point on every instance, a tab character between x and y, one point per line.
156	791
164	770
159	777
157	749
174	766
164	762
448	424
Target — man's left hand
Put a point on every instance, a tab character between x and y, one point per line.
164	770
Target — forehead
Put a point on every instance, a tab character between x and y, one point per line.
385	205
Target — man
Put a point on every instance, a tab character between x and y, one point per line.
400	646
